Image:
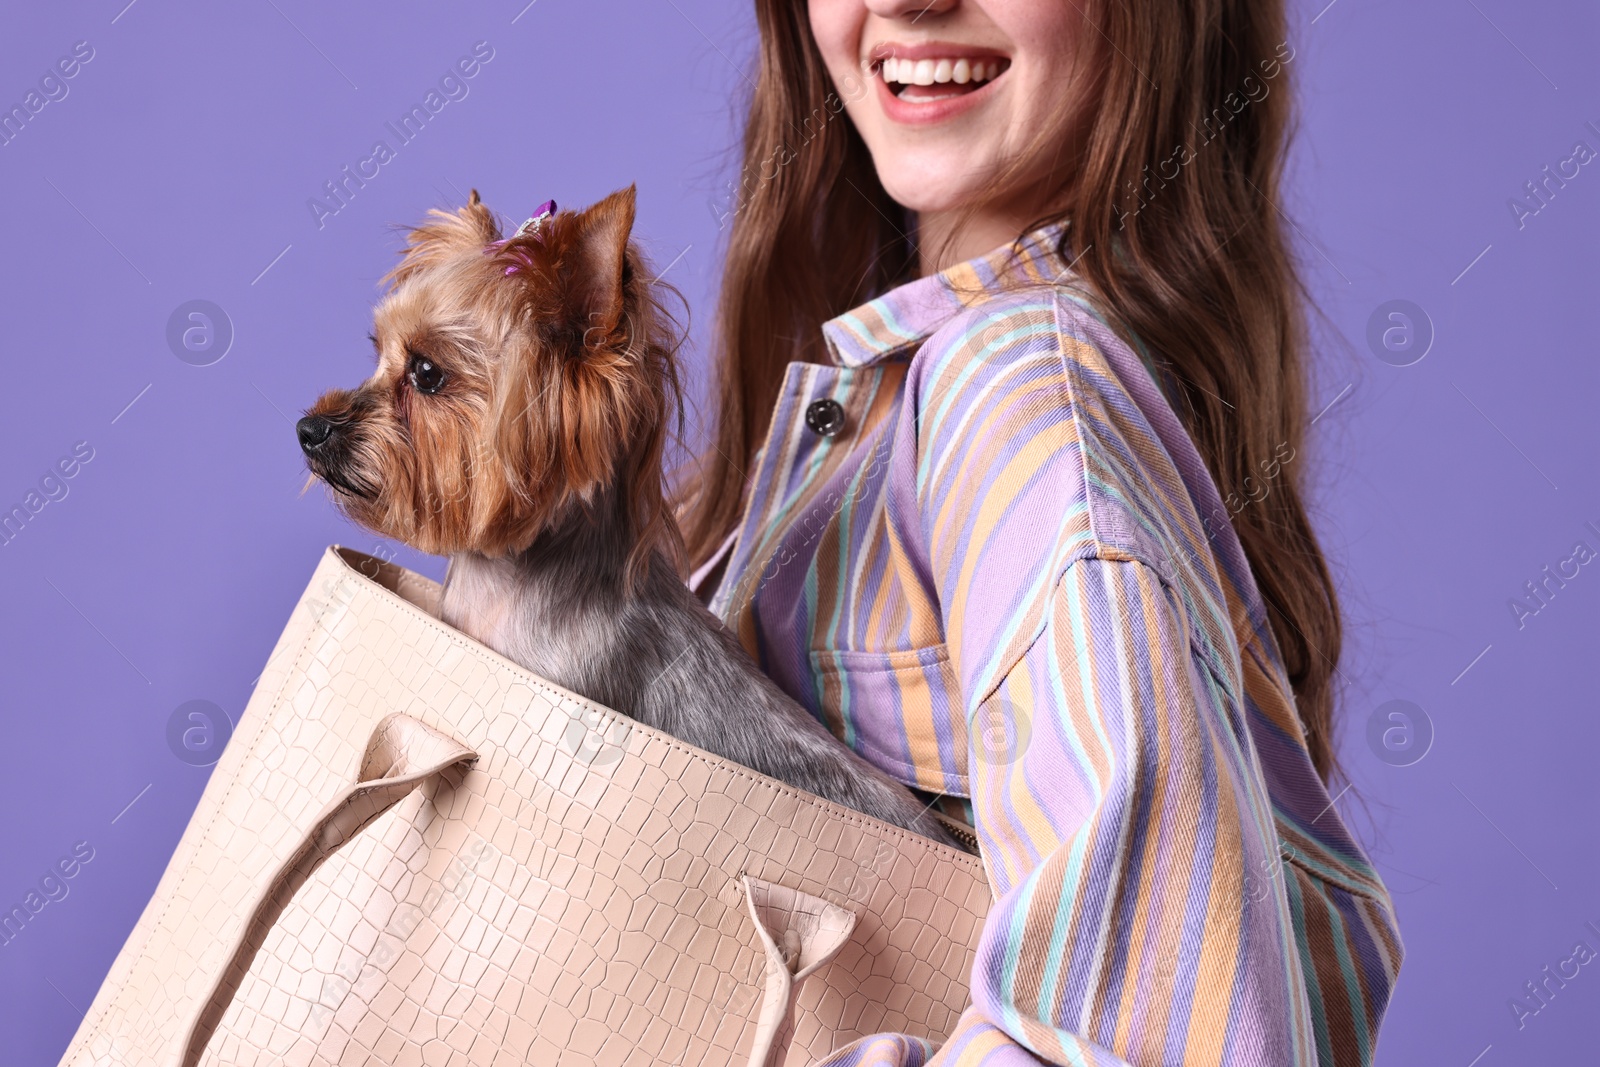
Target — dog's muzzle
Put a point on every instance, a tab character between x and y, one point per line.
327	444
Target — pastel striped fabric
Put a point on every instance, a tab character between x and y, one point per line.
996	584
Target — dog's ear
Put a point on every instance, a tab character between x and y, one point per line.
594	266
448	234
567	399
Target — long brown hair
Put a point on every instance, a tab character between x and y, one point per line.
1170	190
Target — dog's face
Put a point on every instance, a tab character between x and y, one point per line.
515	380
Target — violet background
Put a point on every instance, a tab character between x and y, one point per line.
179	167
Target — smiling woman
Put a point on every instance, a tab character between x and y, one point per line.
986	410
962	95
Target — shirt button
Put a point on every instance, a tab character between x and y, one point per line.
825	416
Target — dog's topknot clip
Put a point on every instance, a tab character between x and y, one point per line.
531	225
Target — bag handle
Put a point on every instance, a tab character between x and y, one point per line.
401	755
799	932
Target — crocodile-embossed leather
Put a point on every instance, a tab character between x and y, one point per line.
355	888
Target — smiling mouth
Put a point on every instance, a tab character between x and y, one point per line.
923	81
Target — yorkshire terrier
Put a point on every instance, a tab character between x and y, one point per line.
516	422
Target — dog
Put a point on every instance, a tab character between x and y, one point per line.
516	423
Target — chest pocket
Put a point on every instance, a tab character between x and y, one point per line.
900	710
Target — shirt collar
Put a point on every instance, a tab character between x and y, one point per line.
904	316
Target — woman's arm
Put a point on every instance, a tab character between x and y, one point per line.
1119	822
1114	787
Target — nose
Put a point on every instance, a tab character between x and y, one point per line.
313	431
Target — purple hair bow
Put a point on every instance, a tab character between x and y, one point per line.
529	227
532	224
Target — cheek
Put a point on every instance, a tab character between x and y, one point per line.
1043	27
1046	35
836	26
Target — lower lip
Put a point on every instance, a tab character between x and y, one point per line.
929	113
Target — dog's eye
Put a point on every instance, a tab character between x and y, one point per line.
425	375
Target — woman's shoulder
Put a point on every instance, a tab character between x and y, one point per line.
1033	330
1033	361
1018	408
1031	389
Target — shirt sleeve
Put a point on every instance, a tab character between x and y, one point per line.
1118	825
1123	825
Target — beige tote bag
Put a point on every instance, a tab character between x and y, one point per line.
415	852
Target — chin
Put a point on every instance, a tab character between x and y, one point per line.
925	184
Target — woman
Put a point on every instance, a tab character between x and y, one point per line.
1022	520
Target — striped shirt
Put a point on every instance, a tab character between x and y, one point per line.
1008	581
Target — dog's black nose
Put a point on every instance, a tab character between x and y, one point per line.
313	431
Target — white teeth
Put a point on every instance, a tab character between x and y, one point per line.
930	71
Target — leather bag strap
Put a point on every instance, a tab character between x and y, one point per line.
799	932
402	753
